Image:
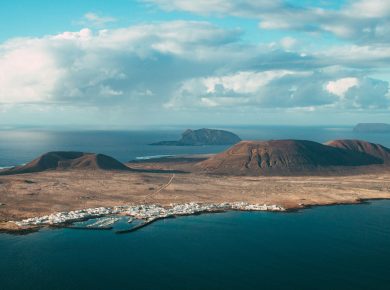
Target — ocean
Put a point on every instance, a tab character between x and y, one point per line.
336	247
332	247
21	146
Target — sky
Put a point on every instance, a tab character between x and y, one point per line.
136	63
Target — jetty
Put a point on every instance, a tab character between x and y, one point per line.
140	226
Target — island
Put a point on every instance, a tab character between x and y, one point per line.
372	128
60	188
203	137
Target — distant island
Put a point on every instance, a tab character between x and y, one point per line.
203	137
372	128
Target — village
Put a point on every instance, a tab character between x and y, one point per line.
146	212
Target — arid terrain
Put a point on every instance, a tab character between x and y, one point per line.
35	194
302	173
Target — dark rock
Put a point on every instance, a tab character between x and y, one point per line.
203	137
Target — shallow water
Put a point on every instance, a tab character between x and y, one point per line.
333	247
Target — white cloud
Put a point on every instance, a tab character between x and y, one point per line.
245	88
184	64
280	89
341	86
369	94
288	42
80	35
243	82
229	90
359	56
88	67
96	20
28	72
369	9
359	21
205	7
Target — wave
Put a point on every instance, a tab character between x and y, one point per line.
338	129
152	157
11	166
6	167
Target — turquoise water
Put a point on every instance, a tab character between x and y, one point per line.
336	247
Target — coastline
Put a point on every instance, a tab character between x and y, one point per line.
146	212
32	195
11	227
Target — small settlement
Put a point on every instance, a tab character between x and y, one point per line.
146	212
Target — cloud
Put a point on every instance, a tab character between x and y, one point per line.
187	65
28	72
281	89
110	66
245	8
96	20
368	94
362	21
341	86
288	42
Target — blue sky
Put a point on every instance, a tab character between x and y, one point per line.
26	18
152	62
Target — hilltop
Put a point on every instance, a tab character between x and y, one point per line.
63	160
280	157
376	150
203	137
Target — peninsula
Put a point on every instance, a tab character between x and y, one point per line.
275	175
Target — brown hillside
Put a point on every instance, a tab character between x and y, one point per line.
283	157
376	150
68	160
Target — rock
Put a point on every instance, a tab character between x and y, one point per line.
203	137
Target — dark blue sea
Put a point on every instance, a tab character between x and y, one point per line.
18	146
336	247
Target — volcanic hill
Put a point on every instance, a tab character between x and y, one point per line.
376	150
284	157
203	137
68	160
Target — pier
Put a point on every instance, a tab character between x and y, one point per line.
140	226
